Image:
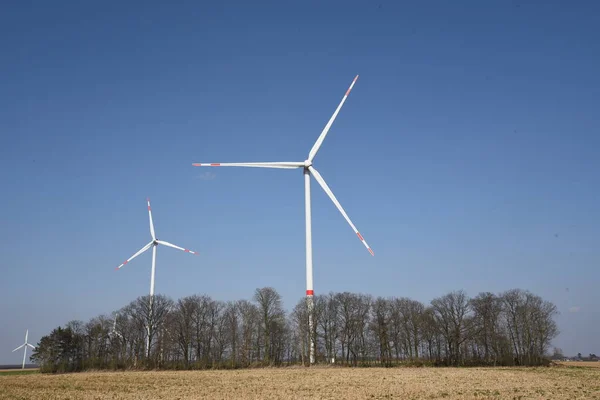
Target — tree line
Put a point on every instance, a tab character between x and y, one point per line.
196	332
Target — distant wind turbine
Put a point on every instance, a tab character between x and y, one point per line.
154	244
24	347
114	331
309	171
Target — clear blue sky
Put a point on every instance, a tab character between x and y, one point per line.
467	153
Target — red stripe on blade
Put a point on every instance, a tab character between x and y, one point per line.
215	164
186	250
371	251
310	292
125	262
360	236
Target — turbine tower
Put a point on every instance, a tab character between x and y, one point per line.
24	346
153	244
309	170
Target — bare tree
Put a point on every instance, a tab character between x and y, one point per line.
299	323
231	320
380	324
452	314
184	326
272	314
250	328
487	309
328	324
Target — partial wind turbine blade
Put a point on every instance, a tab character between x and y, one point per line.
26	335
30	345
323	184
281	165
143	249
176	247
319	142
20	347
151	223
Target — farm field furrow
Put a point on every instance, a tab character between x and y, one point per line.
313	383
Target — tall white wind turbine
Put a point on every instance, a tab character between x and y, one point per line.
309	170
153	244
24	347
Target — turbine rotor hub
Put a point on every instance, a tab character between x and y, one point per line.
307	163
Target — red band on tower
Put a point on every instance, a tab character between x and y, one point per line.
310	292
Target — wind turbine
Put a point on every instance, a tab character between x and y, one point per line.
309	170
153	244
24	345
114	331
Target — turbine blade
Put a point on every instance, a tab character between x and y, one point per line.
143	249
176	247
319	142
323	184
30	345
280	165
151	223
20	347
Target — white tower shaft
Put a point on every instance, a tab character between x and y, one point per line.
309	266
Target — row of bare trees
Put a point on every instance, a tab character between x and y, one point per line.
512	328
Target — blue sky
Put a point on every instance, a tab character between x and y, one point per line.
466	154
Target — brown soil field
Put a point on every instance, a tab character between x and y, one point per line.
18	369
591	364
313	383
